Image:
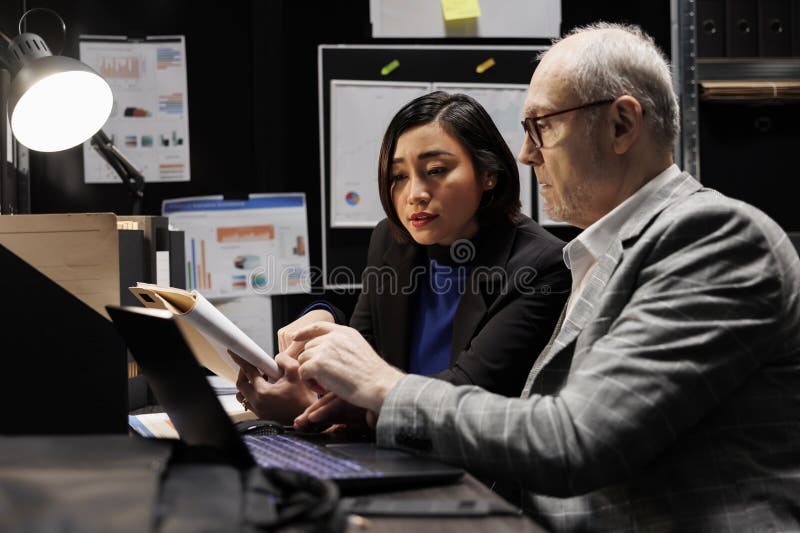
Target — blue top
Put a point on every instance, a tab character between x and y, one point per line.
432	327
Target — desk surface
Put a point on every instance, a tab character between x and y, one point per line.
468	488
115	472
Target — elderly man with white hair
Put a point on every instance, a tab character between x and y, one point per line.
668	398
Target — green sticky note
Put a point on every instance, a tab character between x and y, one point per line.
460	9
389	67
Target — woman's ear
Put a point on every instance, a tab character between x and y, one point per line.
489	181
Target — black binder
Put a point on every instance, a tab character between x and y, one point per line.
741	28
177	259
795	28
64	367
711	28
133	263
774	28
151	226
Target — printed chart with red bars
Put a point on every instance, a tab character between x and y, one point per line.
125	67
196	270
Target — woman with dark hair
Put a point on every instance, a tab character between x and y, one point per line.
459	285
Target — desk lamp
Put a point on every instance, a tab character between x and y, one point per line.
53	103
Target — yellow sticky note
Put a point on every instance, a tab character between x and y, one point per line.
486	65
460	9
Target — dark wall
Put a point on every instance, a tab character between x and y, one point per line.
219	47
252	75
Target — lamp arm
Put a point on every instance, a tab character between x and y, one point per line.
128	173
121	164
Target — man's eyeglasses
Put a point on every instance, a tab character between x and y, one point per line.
532	128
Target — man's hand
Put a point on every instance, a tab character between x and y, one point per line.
286	333
281	401
343	362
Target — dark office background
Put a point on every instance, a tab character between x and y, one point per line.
252	75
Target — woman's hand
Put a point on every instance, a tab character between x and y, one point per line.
330	409
286	333
281	401
342	361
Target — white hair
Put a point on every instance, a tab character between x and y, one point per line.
626	63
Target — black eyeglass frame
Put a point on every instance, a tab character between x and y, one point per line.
532	129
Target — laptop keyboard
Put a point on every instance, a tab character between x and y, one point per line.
282	451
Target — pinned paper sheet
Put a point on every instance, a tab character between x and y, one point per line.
460	9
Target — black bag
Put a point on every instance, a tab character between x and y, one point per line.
118	483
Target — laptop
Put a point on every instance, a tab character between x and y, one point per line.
179	384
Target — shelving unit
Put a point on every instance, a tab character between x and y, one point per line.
749	80
684	72
720	68
744	133
738	119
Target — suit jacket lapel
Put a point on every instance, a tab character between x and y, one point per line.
396	318
585	308
582	311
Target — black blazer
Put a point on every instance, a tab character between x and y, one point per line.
504	318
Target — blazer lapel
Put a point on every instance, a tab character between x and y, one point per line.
396	318
585	308
493	247
471	309
678	187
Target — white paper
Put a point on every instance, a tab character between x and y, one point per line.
162	268
149	122
214	325
257	246
158	425
360	114
506	18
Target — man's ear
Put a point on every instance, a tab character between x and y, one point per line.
628	121
489	181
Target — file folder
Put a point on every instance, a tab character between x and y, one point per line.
741	28
795	28
774	28
711	28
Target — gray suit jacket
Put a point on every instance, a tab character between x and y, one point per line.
671	399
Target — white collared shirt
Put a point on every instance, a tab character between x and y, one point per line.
582	252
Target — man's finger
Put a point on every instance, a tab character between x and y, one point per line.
286	362
283	340
307	373
314	330
294	349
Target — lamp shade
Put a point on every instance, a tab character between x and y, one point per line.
56	102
